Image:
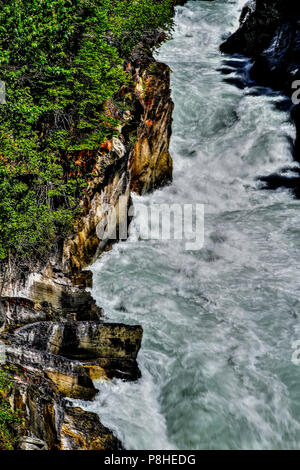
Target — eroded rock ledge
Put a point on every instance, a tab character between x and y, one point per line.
52	329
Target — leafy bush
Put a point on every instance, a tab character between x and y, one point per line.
61	60
8	418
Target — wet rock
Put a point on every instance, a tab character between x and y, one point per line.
109	368
83	430
84	340
111	349
70	377
285	179
269	33
258	23
296	119
50	421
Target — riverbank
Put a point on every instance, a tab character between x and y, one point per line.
53	333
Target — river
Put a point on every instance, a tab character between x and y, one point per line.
219	323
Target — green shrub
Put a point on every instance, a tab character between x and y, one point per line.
8	418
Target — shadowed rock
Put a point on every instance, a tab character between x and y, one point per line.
84	340
269	33
70	377
83	430
50	422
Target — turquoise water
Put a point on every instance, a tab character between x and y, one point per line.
218	323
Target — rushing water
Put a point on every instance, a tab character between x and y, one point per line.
218	323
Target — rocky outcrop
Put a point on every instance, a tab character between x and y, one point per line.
108	189
51	422
104	350
66	352
70	377
269	33
150	160
50	301
54	361
82	430
83	340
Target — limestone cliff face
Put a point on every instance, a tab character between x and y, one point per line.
151	164
51	422
110	183
51	327
150	160
269	33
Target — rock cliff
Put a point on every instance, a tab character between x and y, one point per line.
52	330
269	33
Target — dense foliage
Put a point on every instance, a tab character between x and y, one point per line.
60	60
8	418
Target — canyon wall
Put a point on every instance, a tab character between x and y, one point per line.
53	332
269	33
